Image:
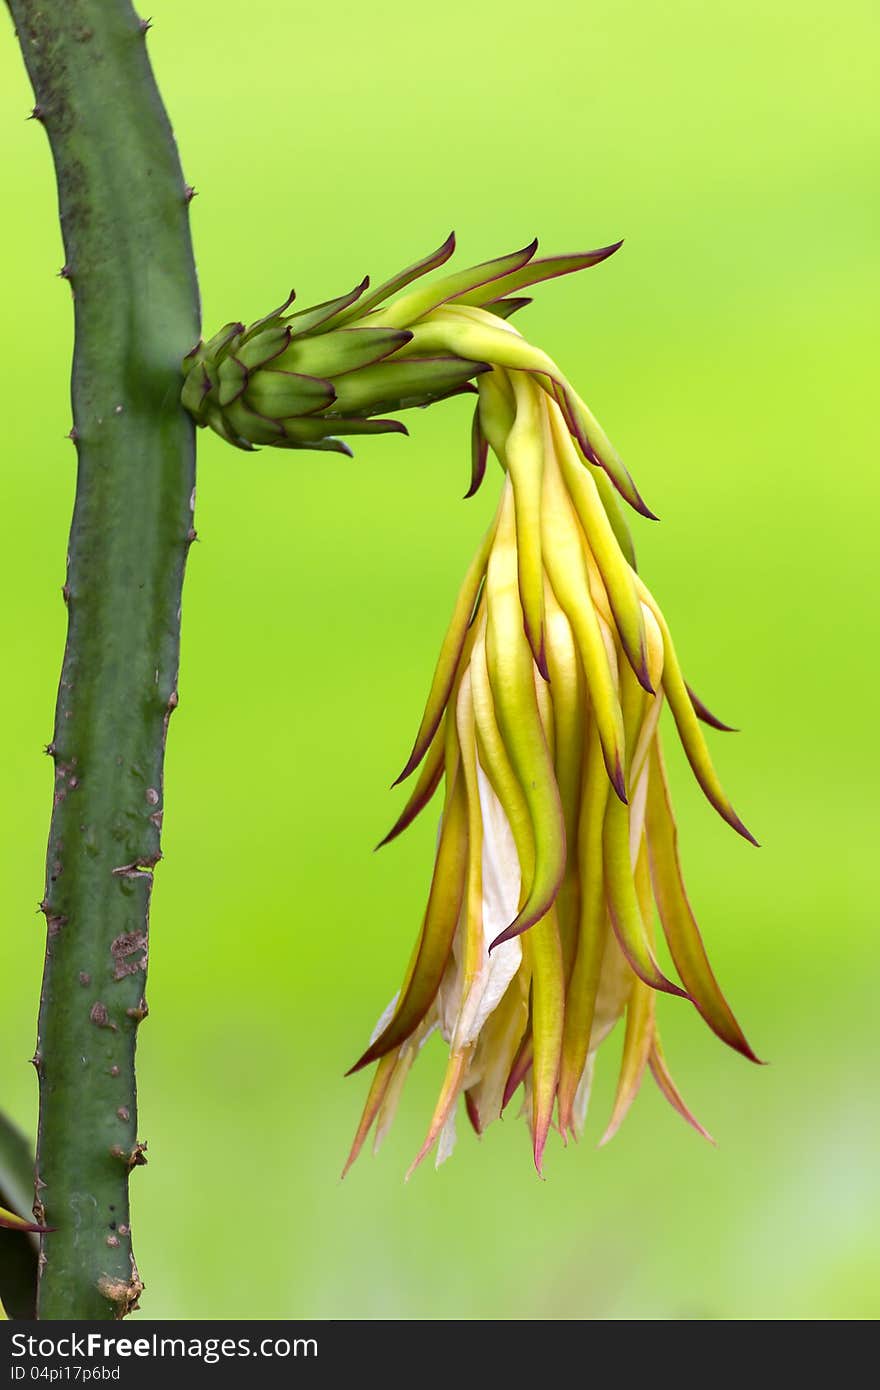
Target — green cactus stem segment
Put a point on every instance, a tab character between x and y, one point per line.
123	205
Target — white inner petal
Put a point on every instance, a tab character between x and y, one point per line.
637	808
582	1096
501	888
385	1019
446	1142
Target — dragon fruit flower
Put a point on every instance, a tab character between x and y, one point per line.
557	846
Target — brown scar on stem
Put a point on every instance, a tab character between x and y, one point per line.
123	1296
126	945
100	1017
140	1011
132	1158
139	868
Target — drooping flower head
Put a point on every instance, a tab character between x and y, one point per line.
557	844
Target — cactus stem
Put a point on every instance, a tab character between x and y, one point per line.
119	182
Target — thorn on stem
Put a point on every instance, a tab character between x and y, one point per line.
189	192
37	114
146	25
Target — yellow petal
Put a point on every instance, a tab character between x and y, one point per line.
427	782
473	904
511	678
524	459
494	759
679	924
567	571
374	1100
592	932
569	707
661	1074
636	1050
688	726
498	1046
548	1018
639	1036
451	651
438	928
623	904
497	408
449	1093
616	574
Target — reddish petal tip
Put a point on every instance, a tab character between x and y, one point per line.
643	676
734	821
473	1114
412	763
618	781
705	715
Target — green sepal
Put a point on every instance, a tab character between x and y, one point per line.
328	314
534	272
256	350
432	261
330	445
428	297
244	423
315	427
344	350
506	308
282	394
268	320
402	384
197	387
217	421
232	380
218	345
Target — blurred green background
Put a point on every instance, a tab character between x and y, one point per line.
730	350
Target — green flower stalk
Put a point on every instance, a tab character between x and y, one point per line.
557	844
